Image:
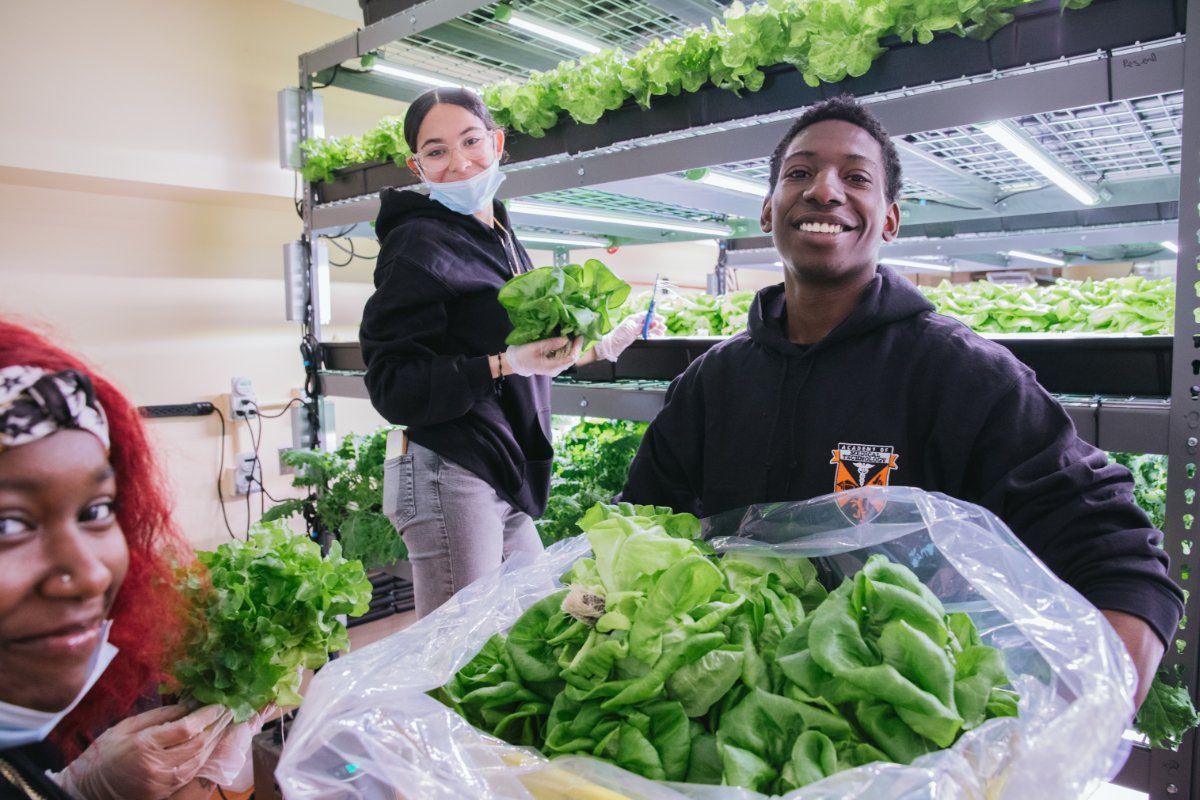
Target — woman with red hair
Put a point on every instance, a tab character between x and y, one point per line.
88	609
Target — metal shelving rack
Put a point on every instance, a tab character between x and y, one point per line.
1118	58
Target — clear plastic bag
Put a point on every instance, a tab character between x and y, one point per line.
368	730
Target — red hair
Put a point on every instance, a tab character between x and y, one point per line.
148	608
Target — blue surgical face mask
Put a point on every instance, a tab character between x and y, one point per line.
20	725
469	196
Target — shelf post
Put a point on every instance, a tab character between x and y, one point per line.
311	334
1174	775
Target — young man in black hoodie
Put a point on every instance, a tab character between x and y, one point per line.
847	378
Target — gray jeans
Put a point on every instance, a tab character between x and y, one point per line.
455	526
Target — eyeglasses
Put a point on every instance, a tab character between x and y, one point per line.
436	158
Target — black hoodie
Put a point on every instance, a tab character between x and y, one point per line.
899	395
426	335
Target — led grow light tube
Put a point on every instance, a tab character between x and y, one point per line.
1032	154
413	76
565	239
734	183
1055	262
553	34
904	262
587	215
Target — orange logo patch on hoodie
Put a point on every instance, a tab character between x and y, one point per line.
858	466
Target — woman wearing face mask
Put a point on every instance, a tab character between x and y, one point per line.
477	412
87	608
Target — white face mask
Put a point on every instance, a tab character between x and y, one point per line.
19	725
471	195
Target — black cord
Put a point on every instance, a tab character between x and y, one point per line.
351	251
296	195
270	497
221	792
340	264
332	78
310	352
292	402
256	463
220	470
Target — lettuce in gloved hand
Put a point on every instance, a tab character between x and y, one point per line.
261	610
572	301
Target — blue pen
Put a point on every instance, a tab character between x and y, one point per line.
650	311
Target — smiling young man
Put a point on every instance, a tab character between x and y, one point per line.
845	377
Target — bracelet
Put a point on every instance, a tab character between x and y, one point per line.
499	379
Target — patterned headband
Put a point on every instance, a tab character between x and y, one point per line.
35	403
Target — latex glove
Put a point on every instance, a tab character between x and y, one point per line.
226	762
613	343
545	357
147	757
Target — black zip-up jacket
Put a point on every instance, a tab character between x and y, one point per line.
29	763
899	395
426	335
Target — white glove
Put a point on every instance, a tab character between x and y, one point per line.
613	343
147	757
227	762
545	357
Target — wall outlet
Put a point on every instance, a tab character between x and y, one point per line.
247	474
243	404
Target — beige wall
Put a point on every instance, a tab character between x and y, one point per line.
143	211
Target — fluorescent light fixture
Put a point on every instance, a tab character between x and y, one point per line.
904	262
588	215
412	75
1174	248
563	239
1055	262
553	34
734	183
1032	154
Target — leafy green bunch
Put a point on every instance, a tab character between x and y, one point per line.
347	500
1167	712
591	463
384	142
826	40
696	314
1149	482
1117	305
562	301
741	670
260	610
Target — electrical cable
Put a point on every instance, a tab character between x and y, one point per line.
341	235
292	402
255	464
250	480
296	195
263	488
332	78
262	499
351	251
220	470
